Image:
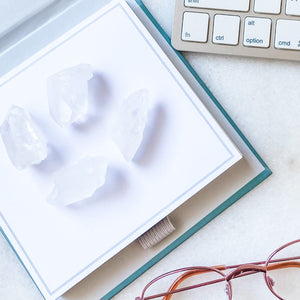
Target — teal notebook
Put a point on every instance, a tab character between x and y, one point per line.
232	170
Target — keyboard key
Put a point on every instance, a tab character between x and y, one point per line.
293	7
257	32
262	28
267	6
287	35
236	5
226	29
195	27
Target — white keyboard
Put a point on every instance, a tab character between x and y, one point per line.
261	28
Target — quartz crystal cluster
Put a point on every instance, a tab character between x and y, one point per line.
68	103
24	142
68	94
129	127
79	181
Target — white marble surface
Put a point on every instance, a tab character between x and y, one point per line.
263	98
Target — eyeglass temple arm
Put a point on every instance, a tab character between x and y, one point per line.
273	265
263	262
283	265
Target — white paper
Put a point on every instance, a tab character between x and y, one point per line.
183	150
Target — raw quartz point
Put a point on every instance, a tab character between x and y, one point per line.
68	94
130	124
79	181
24	142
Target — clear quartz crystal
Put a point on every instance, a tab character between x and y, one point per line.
68	94
79	181
130	123
24	142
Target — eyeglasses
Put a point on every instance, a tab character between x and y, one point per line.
281	273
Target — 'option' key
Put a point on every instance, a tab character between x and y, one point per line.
257	32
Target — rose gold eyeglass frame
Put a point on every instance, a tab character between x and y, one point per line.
238	271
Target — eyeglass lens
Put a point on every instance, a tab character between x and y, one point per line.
284	277
218	289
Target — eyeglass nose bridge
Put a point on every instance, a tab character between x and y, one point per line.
247	268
